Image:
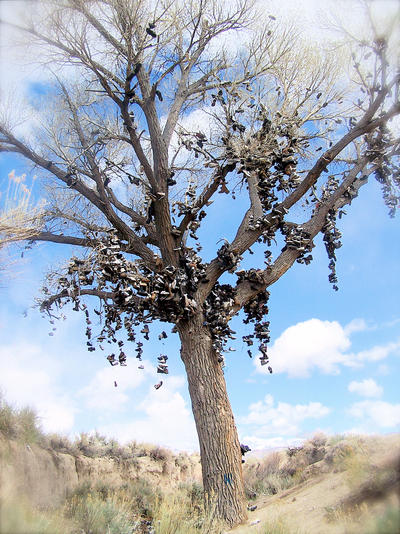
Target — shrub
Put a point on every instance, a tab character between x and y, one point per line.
142	496
293	451
96	515
28	426
318	440
333	440
81	491
20	423
267	477
61	444
158	453
7	420
270	464
337	455
182	461
312	451
96	445
194	492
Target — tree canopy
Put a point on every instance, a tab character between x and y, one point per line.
126	173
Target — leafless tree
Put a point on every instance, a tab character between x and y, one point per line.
129	179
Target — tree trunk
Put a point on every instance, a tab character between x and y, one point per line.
221	458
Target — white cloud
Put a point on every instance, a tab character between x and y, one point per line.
17	61
164	419
282	419
376	414
313	16
366	388
320	345
37	377
28	378
308	345
197	120
101	393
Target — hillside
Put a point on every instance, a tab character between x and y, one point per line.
350	486
46	476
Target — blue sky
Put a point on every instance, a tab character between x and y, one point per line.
335	355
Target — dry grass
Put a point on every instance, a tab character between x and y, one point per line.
20	216
20	219
128	509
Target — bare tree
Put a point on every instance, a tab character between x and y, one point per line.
129	179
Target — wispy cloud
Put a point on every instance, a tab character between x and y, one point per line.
374	354
356	325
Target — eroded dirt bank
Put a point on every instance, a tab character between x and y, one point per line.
45	476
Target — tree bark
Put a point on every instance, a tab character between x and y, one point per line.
221	458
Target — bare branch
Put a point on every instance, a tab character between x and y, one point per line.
270	275
65	294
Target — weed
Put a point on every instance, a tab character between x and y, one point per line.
60	443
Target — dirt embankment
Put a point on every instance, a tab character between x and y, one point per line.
349	487
45	476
